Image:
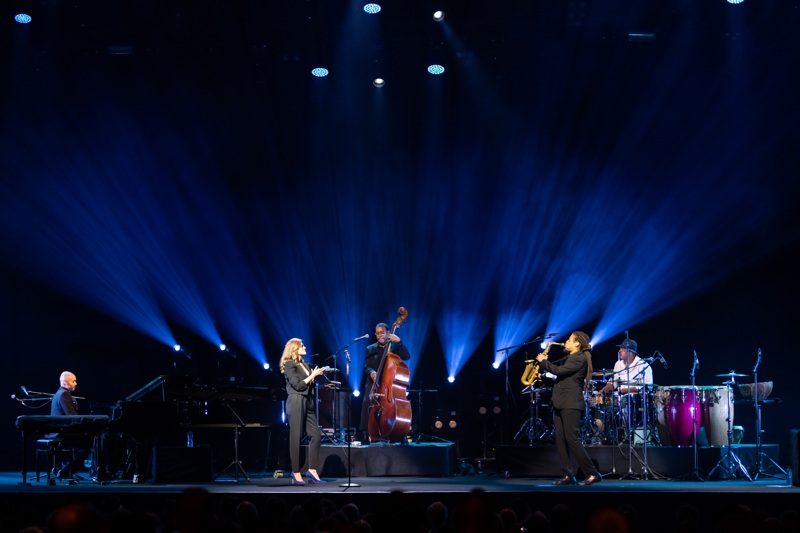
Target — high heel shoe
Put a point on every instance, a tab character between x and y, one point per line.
313	479
295	481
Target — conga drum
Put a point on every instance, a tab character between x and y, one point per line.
715	406
660	407
683	417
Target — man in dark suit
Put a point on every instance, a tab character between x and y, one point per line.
64	404
572	377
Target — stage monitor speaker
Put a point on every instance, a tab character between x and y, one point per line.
179	464
795	447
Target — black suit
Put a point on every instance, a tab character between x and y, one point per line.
568	409
63	404
301	406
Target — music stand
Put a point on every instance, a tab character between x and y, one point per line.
236	463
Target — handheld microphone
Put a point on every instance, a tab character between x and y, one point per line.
362	337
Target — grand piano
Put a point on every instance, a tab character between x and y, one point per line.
164	410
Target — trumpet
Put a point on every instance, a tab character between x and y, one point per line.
532	371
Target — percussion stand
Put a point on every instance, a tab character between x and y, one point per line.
760	455
730	458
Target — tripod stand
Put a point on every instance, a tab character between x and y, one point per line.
760	455
730	460
236	463
533	427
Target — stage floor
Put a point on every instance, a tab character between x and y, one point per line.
655	497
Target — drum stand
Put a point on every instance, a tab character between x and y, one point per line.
760	455
694	475
731	460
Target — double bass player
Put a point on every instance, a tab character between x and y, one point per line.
372	362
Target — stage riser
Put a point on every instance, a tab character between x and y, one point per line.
666	461
428	460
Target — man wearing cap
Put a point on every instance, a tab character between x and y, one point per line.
629	370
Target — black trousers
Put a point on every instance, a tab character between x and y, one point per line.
301	411
568	443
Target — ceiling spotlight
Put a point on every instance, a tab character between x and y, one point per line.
22	18
451	379
266	366
372	8
177	347
378	82
436	69
223	348
438	16
319	72
496	365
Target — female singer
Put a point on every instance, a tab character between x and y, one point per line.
301	409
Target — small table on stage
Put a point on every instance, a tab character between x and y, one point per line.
75	424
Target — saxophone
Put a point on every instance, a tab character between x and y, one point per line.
532	371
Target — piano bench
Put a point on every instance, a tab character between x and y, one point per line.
53	452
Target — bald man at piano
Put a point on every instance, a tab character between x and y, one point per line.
64	404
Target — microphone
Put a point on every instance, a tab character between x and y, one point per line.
547	336
362	337
24	390
663	361
20	400
696	360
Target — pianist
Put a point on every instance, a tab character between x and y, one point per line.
64	404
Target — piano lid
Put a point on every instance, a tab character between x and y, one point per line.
164	388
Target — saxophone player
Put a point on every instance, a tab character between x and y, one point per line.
572	378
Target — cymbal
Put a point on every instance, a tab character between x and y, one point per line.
602	372
732	374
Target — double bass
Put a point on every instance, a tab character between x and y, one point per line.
390	410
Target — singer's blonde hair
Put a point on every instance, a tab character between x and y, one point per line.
290	352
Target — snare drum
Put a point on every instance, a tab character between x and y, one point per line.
682	415
607	399
715	406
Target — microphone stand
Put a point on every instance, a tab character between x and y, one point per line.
336	383
349	439
694	475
